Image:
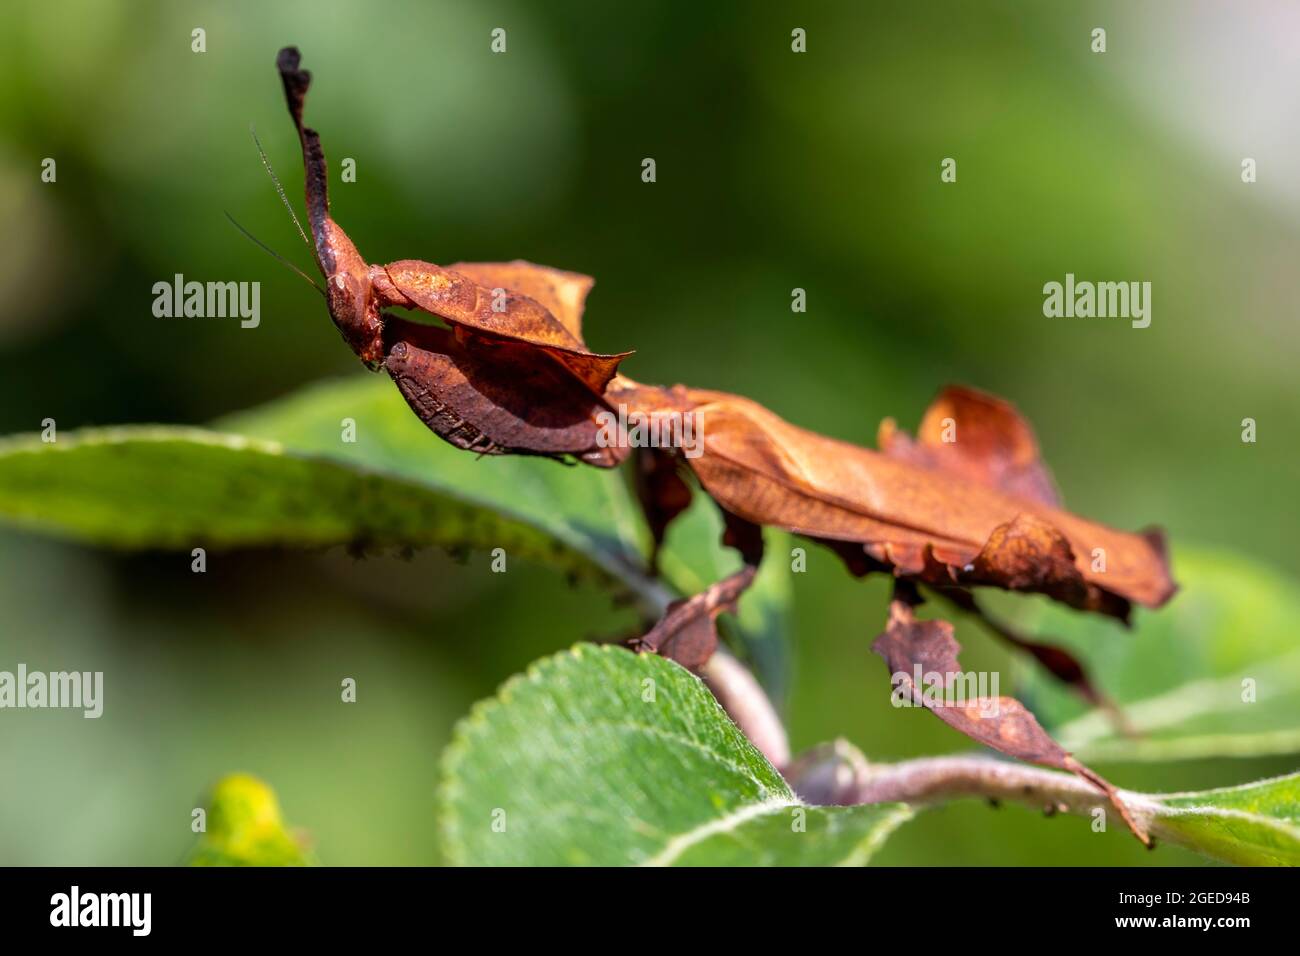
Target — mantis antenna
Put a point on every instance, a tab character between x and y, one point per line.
276	179
265	248
284	199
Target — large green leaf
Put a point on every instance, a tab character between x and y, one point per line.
1214	673
597	756
177	488
283	475
587	513
1258	823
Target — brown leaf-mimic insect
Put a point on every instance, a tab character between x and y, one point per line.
510	374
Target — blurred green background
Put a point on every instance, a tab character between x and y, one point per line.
775	171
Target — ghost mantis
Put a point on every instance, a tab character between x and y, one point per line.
509	373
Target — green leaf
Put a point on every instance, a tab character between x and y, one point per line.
175	488
1214	673
283	475
598	756
245	828
290	480
1255	824
587	513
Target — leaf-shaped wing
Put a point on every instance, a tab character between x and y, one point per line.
563	293
504	314
977	436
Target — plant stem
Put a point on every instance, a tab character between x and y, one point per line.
935	779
